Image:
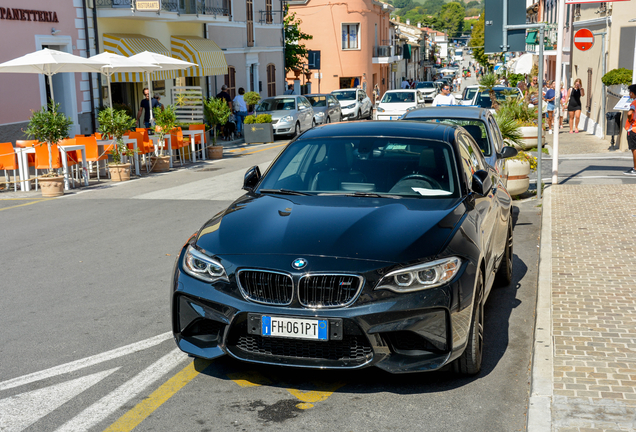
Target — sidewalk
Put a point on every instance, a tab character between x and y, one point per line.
584	361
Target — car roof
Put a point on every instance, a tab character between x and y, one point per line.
452	112
399	91
378	128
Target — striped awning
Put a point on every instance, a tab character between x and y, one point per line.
131	44
204	52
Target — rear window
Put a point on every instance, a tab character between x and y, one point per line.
475	128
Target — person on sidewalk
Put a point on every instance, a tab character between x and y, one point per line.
290	90
574	104
144	107
630	125
240	110
549	97
445	97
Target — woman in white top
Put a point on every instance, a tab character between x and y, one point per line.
445	97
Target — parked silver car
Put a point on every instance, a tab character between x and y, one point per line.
326	107
291	114
355	104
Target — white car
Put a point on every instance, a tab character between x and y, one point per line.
395	103
428	89
355	104
468	94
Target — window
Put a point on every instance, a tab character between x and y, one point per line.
271	80
249	7
268	12
350	36
230	81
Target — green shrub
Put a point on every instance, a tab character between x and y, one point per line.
617	76
251	98
263	118
513	79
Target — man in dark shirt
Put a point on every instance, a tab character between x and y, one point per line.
145	108
225	95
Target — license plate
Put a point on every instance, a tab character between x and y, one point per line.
297	328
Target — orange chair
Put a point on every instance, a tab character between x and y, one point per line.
25	144
92	152
197	138
177	143
8	161
143	148
42	158
73	158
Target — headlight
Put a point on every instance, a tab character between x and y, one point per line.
380	109
286	119
203	267
422	276
349	106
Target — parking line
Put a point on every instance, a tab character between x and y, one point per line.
25	204
268	148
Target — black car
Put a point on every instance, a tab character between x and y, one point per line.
367	243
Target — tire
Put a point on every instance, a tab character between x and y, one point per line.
469	363
297	129
504	272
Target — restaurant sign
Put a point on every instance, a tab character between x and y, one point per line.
148	5
27	15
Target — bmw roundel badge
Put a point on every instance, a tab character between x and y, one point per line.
299	263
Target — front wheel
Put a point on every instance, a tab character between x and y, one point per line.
469	363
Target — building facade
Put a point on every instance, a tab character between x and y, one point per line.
354	40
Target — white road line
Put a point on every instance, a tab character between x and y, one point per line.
101	409
86	362
21	411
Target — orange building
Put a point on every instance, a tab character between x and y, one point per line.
354	40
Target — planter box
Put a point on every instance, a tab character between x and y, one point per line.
119	172
518	176
258	133
52	186
215	152
530	137
618	90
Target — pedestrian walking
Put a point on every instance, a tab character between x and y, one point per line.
574	104
405	83
445	97
550	98
290	90
240	110
630	123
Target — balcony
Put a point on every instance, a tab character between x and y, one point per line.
384	54
166	10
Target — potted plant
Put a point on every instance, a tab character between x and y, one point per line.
251	98
50	127
519	168
258	129
617	81
526	118
217	112
115	123
165	121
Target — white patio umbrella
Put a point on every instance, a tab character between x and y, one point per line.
448	70
115	63
166	63
523	65
49	62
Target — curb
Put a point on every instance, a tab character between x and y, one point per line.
540	403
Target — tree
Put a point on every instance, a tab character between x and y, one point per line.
433	7
403	3
295	50
451	18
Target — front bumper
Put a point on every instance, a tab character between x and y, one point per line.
419	331
283	128
348	114
388	115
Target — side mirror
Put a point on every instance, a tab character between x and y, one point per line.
507	152
481	183
251	178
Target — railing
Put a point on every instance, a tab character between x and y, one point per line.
386	51
191	7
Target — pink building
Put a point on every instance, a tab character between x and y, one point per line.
30	25
354	40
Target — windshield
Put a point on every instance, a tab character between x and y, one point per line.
469	93
276	104
476	129
317	101
424	84
345	94
398	97
366	165
484	101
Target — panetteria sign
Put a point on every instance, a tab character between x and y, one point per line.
148	5
15	14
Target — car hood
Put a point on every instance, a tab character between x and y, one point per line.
387	230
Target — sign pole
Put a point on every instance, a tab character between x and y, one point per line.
559	59
540	112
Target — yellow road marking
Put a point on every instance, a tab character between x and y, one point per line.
143	409
249	379
25	204
268	148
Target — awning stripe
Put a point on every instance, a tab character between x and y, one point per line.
204	52
131	44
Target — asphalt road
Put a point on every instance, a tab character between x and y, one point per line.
86	342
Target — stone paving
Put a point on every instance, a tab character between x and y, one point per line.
594	308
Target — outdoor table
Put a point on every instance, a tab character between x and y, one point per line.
193	151
126	141
63	152
23	166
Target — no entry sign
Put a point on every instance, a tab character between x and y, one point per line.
583	39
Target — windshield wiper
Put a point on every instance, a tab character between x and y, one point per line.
370	194
282	192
